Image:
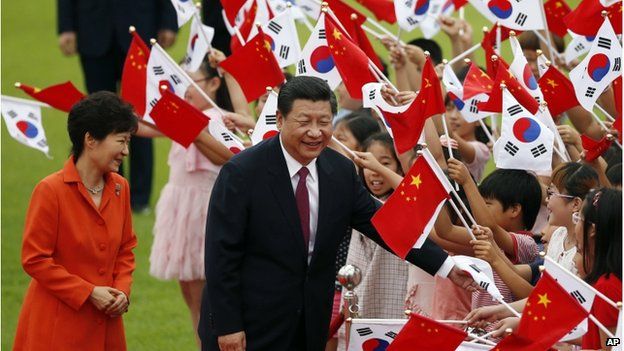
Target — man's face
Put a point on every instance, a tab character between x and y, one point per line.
306	130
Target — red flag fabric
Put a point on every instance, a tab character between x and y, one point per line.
586	18
343	12
134	77
495	103
556	10
254	67
594	149
459	3
408	125
351	61
617	94
231	8
549	308
178	119
382	9
617	124
476	82
412	209
422	333
487	43
558	91
245	27
60	96
361	40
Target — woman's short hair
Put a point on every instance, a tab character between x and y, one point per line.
99	114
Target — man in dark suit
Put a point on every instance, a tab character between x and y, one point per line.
98	31
277	214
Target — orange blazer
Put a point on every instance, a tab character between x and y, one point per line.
70	246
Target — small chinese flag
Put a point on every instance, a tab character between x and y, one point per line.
558	91
382	9
134	77
556	10
408	125
178	119
495	103
231	8
407	217
249	17
422	333
459	3
476	82
488	42
254	67
594	149
351	61
549	308
61	96
361	40
586	18
343	13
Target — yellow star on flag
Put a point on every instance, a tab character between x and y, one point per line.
543	300
416	181
337	34
552	83
427	84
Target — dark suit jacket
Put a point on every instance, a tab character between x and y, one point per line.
101	23
257	276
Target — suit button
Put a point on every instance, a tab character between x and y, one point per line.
101	271
102	247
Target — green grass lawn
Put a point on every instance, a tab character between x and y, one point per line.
158	319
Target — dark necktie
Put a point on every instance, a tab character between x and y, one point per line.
303	204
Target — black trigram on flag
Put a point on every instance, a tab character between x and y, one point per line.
520	19
32	116
42	143
590	92
578	296
538	150
175	79
364	331
284	50
371	95
604	43
408	3
511	148
226	137
514	110
579	47
158	70
474	266
12	114
412	21
484	285
391	334
617	64
153	102
301	66
274	27
322	34
473	106
271	119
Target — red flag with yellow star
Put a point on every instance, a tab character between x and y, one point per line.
487	43
60	96
343	13
586	18
231	8
351	61
476	82
249	18
361	40
422	333
495	103
558	91
550	313
556	10
178	119
407	217
134	77
408	125
254	67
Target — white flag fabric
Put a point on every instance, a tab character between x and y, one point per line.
373	334
469	109
525	142
618	333
279	6
311	8
266	126
316	59
23	122
284	41
430	25
577	47
481	272
599	68
162	70
521	69
544	116
371	98
198	45
542	64
224	136
451	82
584	295
514	14
410	13
184	10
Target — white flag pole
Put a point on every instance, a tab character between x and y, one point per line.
448	143
487	132
461	217
201	25
24	101
372	32
464	54
349	151
604	112
480	338
601	326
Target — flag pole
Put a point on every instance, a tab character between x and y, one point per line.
461	17
607	115
448	143
201	25
487	132
498	39
372	32
507	306
464	54
24	101
480	338
461	217
349	151
601	326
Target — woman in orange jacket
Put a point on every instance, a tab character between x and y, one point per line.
78	238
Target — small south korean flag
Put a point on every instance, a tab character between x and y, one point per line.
266	126
521	69
184	10
225	137
373	334
579	45
410	13
200	39
467	108
430	25
316	59
599	68
481	272
525	142
23	122
281	34
514	14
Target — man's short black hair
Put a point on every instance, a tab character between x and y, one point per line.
100	114
305	88
511	187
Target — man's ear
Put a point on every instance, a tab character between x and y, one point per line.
280	120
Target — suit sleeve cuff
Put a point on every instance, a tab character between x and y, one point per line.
446	267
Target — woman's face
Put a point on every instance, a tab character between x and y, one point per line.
208	85
108	154
579	229
344	135
560	207
374	181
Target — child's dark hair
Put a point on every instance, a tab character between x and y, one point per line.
361	126
435	51
574	178
384	139
603	210
614	173
223	95
511	187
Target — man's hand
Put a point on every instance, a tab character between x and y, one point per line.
166	38
462	279
67	43
232	342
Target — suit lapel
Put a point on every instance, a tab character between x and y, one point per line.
326	189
